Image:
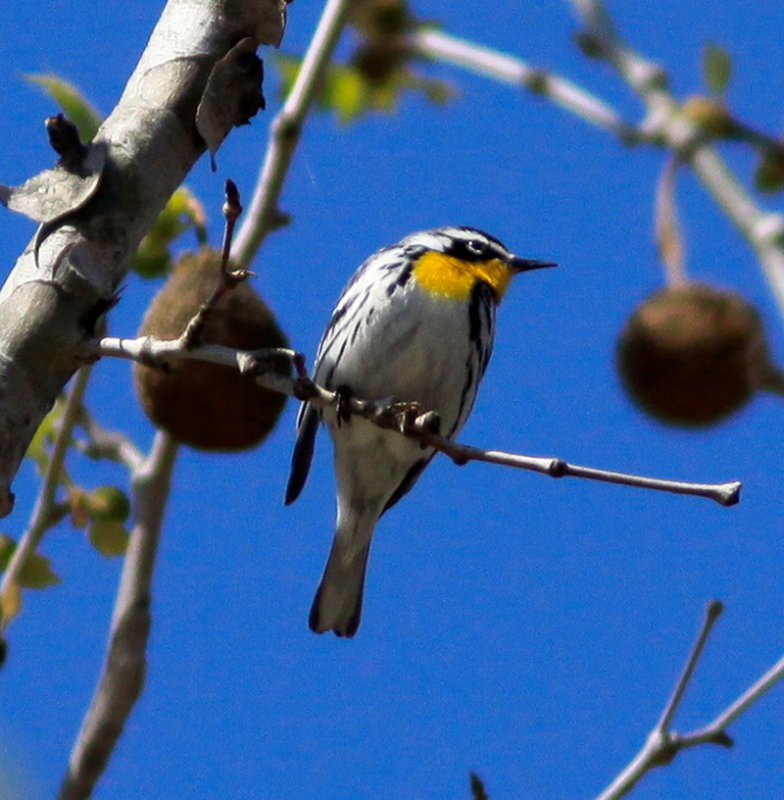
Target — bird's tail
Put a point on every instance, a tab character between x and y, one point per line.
337	605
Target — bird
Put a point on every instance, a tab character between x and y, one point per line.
416	323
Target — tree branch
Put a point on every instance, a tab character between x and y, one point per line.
664	125
397	416
102	443
439	46
42	517
122	677
64	281
662	745
763	230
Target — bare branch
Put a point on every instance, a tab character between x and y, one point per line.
437	45
662	745
751	695
149	350
725	494
102	443
227	278
122	677
712	613
264	215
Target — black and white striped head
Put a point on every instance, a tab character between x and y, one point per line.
449	261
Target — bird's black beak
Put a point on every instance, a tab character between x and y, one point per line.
527	264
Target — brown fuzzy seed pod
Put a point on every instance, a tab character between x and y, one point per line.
209	406
690	355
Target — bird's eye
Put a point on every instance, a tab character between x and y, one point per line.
475	246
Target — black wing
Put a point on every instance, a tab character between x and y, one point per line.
303	451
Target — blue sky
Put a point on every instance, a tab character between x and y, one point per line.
524	628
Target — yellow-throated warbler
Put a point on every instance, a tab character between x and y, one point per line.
415	322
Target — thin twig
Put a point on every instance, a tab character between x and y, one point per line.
111	445
42	517
435	44
712	613
725	494
667	227
149	350
227	278
264	215
122	676
751	695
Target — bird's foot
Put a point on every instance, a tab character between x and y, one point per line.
343	405
407	417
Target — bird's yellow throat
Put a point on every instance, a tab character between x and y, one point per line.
455	278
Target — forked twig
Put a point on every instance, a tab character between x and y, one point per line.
662	744
228	278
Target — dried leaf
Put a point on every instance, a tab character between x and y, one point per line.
56	193
79	504
232	96
269	18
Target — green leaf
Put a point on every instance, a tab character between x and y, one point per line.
716	68
37	449
345	92
7	547
183	212
108	537
73	103
351	90
288	68
37	572
109	503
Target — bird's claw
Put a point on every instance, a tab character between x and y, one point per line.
408	417
343	405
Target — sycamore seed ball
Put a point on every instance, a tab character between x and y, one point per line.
209	406
690	355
